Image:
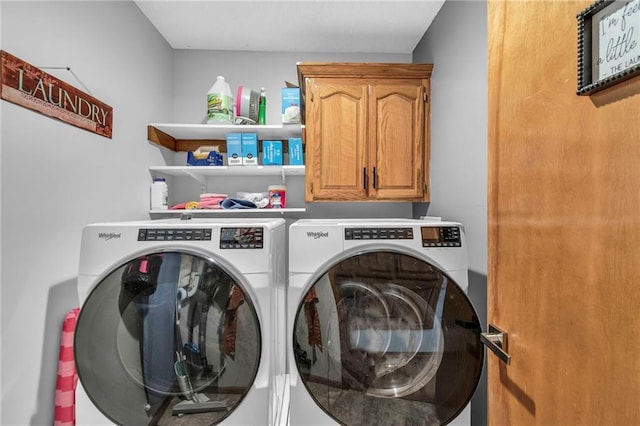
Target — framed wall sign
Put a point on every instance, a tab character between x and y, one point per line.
28	86
608	44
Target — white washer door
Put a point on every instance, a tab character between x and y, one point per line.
165	336
386	338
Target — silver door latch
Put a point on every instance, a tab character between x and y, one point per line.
496	340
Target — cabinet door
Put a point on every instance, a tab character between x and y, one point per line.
336	132
397	140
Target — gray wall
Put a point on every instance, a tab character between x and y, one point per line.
57	178
456	43
195	72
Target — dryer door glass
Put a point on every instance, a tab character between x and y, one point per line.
166	335
385	338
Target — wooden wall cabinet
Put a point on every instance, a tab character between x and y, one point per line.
366	131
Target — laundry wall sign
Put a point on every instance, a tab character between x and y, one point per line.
28	86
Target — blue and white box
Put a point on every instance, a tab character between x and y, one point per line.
272	153
234	149
290	97
250	149
296	154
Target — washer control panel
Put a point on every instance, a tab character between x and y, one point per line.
378	234
182	234
440	236
242	238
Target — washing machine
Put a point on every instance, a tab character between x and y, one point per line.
380	328
181	322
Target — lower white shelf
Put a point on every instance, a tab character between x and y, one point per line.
216	212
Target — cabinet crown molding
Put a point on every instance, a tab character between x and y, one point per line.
367	70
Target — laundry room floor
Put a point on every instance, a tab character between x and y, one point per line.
351	408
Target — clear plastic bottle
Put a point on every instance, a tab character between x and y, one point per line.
159	194
220	103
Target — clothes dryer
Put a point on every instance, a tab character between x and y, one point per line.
179	322
380	327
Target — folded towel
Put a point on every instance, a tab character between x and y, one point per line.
65	396
213	195
205	202
260	199
235	203
179	206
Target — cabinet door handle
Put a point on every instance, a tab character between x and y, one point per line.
364	178
375	179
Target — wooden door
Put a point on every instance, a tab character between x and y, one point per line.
396	138
564	227
335	139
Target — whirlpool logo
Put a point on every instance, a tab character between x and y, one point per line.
317	234
108	235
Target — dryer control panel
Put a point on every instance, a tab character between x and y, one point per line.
378	234
242	238
181	234
432	236
440	236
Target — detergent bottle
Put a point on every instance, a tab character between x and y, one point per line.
220	103
159	194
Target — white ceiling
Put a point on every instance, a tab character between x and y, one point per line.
358	26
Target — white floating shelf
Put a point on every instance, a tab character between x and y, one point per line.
207	212
219	131
205	171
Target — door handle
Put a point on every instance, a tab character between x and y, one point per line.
375	179
496	340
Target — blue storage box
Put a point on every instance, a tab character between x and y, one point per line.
250	149
290	97
296	154
213	159
272	153
234	149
